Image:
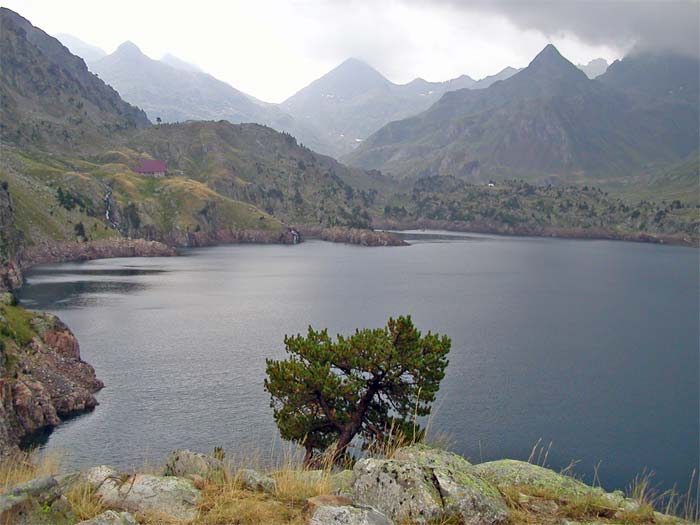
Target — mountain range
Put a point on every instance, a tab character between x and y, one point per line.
332	115
70	146
550	121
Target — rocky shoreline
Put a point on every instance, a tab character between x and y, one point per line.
523	231
413	485
42	377
353	236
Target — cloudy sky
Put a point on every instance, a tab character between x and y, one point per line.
272	48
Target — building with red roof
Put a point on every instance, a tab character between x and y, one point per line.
152	168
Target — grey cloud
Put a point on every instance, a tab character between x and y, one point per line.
642	24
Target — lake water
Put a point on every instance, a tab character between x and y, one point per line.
590	345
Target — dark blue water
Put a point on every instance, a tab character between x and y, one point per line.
590	345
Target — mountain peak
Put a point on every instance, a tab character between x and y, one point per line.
350	78
549	55
357	69
550	64
129	48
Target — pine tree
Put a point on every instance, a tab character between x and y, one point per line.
328	392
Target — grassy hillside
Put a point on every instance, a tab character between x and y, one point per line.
61	199
268	169
681	182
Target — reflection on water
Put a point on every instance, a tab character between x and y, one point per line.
590	344
76	294
78	285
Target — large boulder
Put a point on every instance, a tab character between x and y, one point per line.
511	472
401	490
166	497
432	457
37	502
423	484
348	515
111	517
193	465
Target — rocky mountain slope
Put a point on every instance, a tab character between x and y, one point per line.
594	68
87	52
547	122
48	96
175	91
350	102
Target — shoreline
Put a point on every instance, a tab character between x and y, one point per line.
557	233
12	273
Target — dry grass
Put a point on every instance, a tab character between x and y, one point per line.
587	507
84	502
227	503
23	467
683	505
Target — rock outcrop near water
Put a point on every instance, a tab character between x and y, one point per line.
42	377
353	236
417	485
86	251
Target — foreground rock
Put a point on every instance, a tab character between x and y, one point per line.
193	465
257	482
159	497
510	472
36	502
422	484
111	517
347	515
42	377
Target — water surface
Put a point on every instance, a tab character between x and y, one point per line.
591	345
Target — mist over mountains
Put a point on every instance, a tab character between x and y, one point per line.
332	115
550	121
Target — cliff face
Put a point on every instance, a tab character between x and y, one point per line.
10	243
42	377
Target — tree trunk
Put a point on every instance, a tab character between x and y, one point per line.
308	455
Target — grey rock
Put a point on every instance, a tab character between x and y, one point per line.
187	464
168	497
254	480
431	457
111	517
400	490
422	484
348	515
36	502
509	472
